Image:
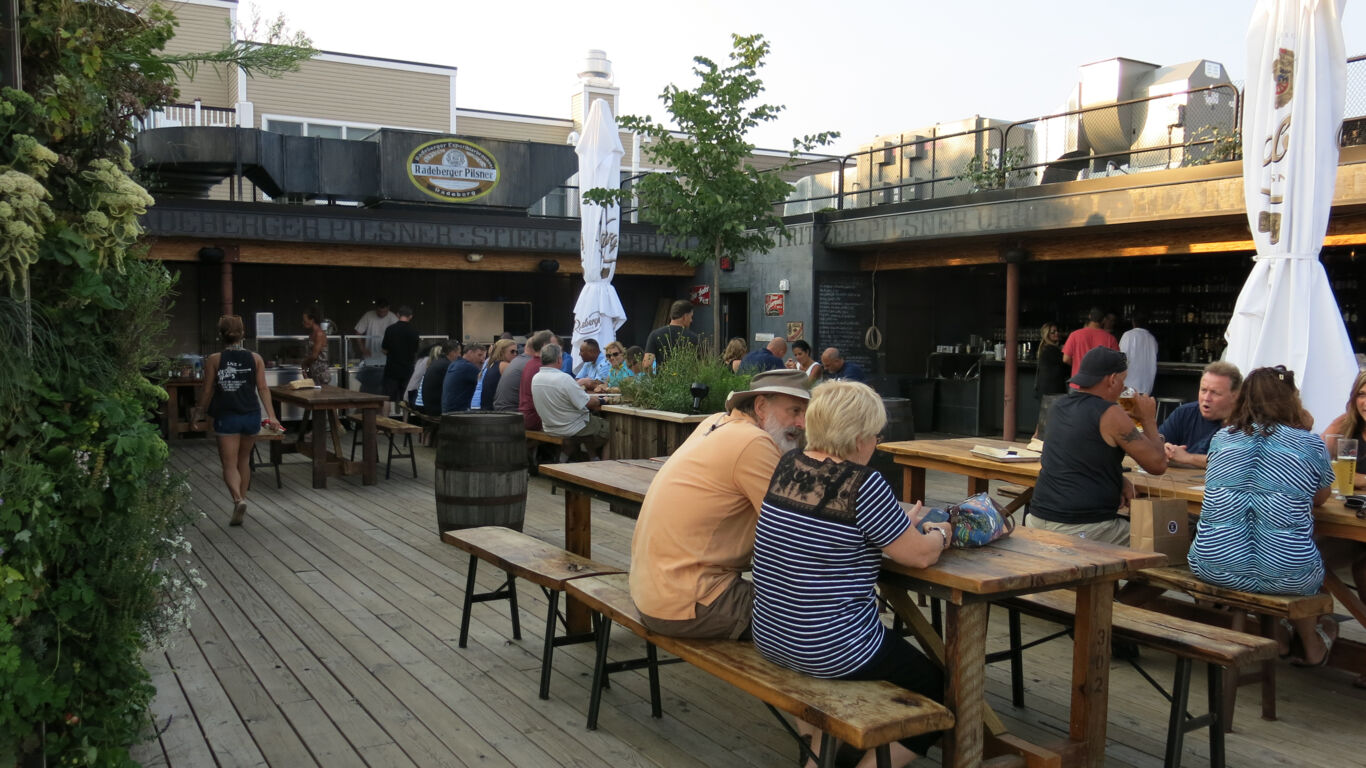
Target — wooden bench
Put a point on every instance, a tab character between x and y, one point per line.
1268	610
1190	641
275	453
389	427
431	425
863	714
518	554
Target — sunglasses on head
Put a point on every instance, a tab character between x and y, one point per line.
1283	373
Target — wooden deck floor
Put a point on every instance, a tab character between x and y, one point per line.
326	634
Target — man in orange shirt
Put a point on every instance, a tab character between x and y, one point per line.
695	533
1085	339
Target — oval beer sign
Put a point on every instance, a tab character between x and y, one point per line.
453	170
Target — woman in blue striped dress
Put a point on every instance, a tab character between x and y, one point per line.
1266	473
825	524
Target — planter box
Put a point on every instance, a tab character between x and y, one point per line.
640	433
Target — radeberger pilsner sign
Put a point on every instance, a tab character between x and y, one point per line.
453	170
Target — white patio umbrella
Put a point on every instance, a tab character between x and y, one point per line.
1286	313
598	312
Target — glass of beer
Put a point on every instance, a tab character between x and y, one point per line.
1344	466
1126	401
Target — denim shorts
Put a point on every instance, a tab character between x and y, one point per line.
238	423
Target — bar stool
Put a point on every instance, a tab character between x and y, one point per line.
1165	406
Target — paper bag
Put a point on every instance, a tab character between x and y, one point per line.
1160	525
301	384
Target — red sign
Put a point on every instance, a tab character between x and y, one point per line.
773	304
701	294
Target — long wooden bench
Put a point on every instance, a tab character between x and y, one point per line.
542	564
390	428
1267	609
863	714
1190	641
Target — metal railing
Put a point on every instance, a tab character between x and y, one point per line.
194	114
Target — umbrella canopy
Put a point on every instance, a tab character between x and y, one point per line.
1287	314
598	312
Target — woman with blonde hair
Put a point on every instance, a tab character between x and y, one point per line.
616	358
234	394
500	357
1351	424
826	522
735	352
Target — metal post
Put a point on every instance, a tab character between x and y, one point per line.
11	65
1012	258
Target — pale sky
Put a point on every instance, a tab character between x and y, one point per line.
860	67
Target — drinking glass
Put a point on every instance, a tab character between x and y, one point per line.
1126	401
1344	466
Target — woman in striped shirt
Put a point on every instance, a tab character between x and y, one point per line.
825	524
1266	473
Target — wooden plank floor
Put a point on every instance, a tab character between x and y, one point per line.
326	634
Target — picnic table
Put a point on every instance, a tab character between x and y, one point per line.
1332	519
968	580
327	402
173	425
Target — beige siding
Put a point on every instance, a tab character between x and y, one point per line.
355	93
200	29
509	130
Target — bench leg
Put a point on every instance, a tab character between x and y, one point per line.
884	756
550	620
1176	720
1266	624
1216	715
1239	624
652	657
1017	690
355	441
599	672
469	602
829	746
412	454
512	604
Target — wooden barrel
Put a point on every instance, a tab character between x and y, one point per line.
481	470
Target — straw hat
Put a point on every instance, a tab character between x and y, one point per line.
780	381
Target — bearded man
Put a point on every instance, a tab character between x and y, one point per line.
695	533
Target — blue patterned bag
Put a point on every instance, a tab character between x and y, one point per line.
977	521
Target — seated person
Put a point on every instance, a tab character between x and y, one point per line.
434	379
635	359
765	358
1266	473
1341	552
565	409
695	533
593	373
1188	429
835	367
1081	487
827	520
803	361
461	377
736	350
617	370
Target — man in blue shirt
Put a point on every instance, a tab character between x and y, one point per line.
1189	428
834	366
595	368
462	375
767	358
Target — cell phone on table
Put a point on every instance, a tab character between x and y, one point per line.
932	515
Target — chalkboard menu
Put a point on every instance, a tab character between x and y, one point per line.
844	311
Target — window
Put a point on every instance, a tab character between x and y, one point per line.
326	130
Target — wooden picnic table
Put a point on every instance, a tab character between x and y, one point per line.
328	402
175	426
1332	519
969	580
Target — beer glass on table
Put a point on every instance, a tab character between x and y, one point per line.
1344	465
1126	401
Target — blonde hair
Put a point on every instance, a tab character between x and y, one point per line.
736	349
500	348
840	413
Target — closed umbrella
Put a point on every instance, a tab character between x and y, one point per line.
1286	313
598	312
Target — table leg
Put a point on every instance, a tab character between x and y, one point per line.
913	484
965	644
578	538
319	448
1345	595
1091	670
371	449
978	485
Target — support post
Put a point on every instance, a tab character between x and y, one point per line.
11	62
1012	258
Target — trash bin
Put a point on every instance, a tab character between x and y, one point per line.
481	471
900	426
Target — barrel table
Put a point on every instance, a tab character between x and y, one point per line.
481	471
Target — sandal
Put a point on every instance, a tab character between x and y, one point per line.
1328	639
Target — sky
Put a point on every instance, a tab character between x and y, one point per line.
864	68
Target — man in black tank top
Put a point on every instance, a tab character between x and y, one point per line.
1081	488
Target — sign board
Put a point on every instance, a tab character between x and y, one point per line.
796	330
700	294
773	305
453	170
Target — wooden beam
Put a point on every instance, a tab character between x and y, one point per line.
300	254
1223	237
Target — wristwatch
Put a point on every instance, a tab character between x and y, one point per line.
940	531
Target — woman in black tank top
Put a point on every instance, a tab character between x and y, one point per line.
234	394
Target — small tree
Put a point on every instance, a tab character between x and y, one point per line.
714	202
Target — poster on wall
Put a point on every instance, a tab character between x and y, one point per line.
700	294
773	305
796	330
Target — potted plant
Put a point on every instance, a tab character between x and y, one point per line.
658	414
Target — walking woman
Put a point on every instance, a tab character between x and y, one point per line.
315	364
1050	378
234	393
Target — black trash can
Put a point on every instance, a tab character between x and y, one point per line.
900	426
481	471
